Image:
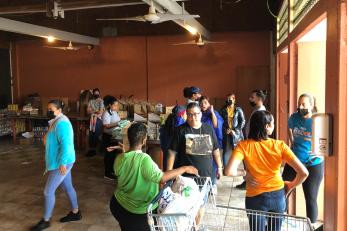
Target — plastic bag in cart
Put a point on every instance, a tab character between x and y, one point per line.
184	198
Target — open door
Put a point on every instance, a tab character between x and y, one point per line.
5	78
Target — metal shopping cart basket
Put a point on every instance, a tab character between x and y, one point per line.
183	221
228	218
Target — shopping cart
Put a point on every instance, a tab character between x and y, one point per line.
183	221
229	218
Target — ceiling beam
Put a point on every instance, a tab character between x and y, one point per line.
175	8
44	32
67	6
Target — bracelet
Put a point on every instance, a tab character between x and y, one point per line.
220	168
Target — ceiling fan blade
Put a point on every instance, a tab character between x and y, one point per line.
60	48
213	42
168	17
65	48
136	18
185	43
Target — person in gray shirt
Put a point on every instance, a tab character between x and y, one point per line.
95	110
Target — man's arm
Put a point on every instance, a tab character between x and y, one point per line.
171	159
217	158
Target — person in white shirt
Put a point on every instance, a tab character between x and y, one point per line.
256	100
110	119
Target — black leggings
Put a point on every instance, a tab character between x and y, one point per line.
310	187
109	157
128	221
94	136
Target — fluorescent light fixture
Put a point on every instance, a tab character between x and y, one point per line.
50	39
191	29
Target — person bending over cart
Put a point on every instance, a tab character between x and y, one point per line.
263	156
138	179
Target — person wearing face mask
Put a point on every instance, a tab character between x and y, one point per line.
234	122
60	158
265	189
300	137
95	109
110	119
256	100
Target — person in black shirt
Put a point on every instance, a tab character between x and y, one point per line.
195	144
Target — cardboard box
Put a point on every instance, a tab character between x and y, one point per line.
151	108
122	106
25	141
168	110
123	114
140	109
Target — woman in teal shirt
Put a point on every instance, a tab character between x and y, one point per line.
300	136
138	179
60	157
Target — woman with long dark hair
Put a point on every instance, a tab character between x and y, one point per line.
256	101
110	119
263	157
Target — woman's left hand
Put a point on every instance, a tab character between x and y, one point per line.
211	109
62	170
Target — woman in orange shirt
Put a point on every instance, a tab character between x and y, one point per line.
263	156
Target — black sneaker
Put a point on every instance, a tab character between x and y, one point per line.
241	186
41	225
72	217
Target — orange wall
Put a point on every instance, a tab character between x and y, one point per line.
118	66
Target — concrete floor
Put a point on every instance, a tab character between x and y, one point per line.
22	183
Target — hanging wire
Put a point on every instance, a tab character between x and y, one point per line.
268	7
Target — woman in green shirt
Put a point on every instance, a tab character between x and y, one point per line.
138	179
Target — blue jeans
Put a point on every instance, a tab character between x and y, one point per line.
268	202
54	180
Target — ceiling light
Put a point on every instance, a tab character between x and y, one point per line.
50	39
191	29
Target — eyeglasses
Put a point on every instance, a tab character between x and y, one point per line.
193	114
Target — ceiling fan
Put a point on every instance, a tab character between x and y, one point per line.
199	42
153	17
70	47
